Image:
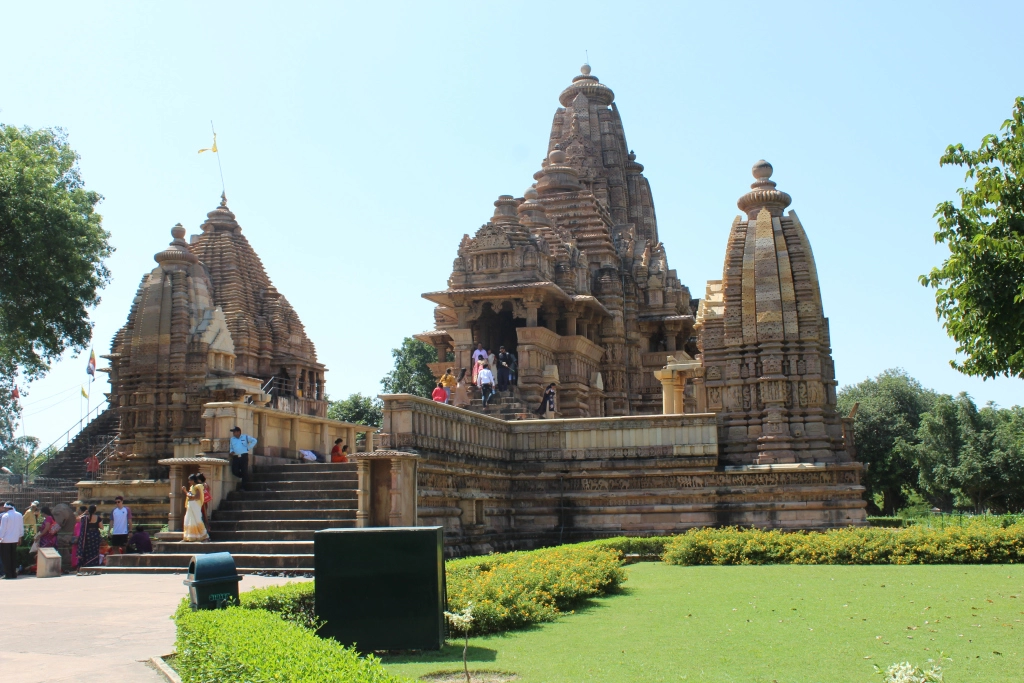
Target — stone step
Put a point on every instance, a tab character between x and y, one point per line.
180	561
262	503
311	485
319	468
270	525
284	517
306	475
276	535
233	547
333	494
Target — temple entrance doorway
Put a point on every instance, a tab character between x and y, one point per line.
495	329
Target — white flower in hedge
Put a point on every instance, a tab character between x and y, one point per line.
905	672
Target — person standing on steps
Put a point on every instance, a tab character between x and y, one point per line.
479	357
92	466
449	382
486	381
504	368
120	523
239	447
461	390
547	402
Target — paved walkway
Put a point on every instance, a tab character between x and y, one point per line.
90	628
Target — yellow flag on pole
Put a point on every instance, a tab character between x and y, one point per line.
211	149
84	395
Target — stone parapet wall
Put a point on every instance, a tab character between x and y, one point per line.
533	483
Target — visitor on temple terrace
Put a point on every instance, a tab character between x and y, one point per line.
239	447
449	383
12	529
485	379
439	394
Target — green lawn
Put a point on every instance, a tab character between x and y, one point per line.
781	623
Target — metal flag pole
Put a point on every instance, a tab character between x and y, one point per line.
219	168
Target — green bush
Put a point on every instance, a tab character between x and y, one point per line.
255	646
979	543
513	590
645	547
292	601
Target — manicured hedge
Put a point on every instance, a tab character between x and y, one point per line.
292	601
256	646
513	590
978	543
890	522
642	547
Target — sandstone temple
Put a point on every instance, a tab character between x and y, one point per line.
671	412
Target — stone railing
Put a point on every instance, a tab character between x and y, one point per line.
412	423
415	424
691	436
278	434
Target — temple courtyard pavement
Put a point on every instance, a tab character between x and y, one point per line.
91	628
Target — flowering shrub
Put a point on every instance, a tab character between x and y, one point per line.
971	544
513	590
905	672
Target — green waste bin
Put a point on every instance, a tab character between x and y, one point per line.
381	588
212	581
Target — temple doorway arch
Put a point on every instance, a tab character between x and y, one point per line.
497	328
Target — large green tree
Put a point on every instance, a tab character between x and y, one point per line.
971	458
52	249
885	429
979	289
411	374
357	409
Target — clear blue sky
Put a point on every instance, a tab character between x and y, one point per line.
361	140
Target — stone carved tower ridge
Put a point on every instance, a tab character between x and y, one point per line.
765	341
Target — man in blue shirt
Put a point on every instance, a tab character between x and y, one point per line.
239	448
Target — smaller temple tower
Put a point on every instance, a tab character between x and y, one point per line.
206	325
767	360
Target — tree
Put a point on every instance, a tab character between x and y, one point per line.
961	460
357	409
885	425
979	289
52	248
411	374
19	453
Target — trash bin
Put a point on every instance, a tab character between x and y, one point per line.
212	581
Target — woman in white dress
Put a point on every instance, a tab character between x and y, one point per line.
194	529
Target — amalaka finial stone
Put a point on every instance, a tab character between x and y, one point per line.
557	156
585	69
178	232
763	194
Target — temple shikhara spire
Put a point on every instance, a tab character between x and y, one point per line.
572	276
765	343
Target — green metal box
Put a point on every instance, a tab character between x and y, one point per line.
381	588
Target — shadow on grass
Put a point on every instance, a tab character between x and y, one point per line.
452	651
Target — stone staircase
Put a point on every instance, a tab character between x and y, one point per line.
268	528
69	464
505	405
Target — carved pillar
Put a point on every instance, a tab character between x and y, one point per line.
369	442
395	517
293	437
531	313
363	494
570	323
679	394
350	437
177	501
